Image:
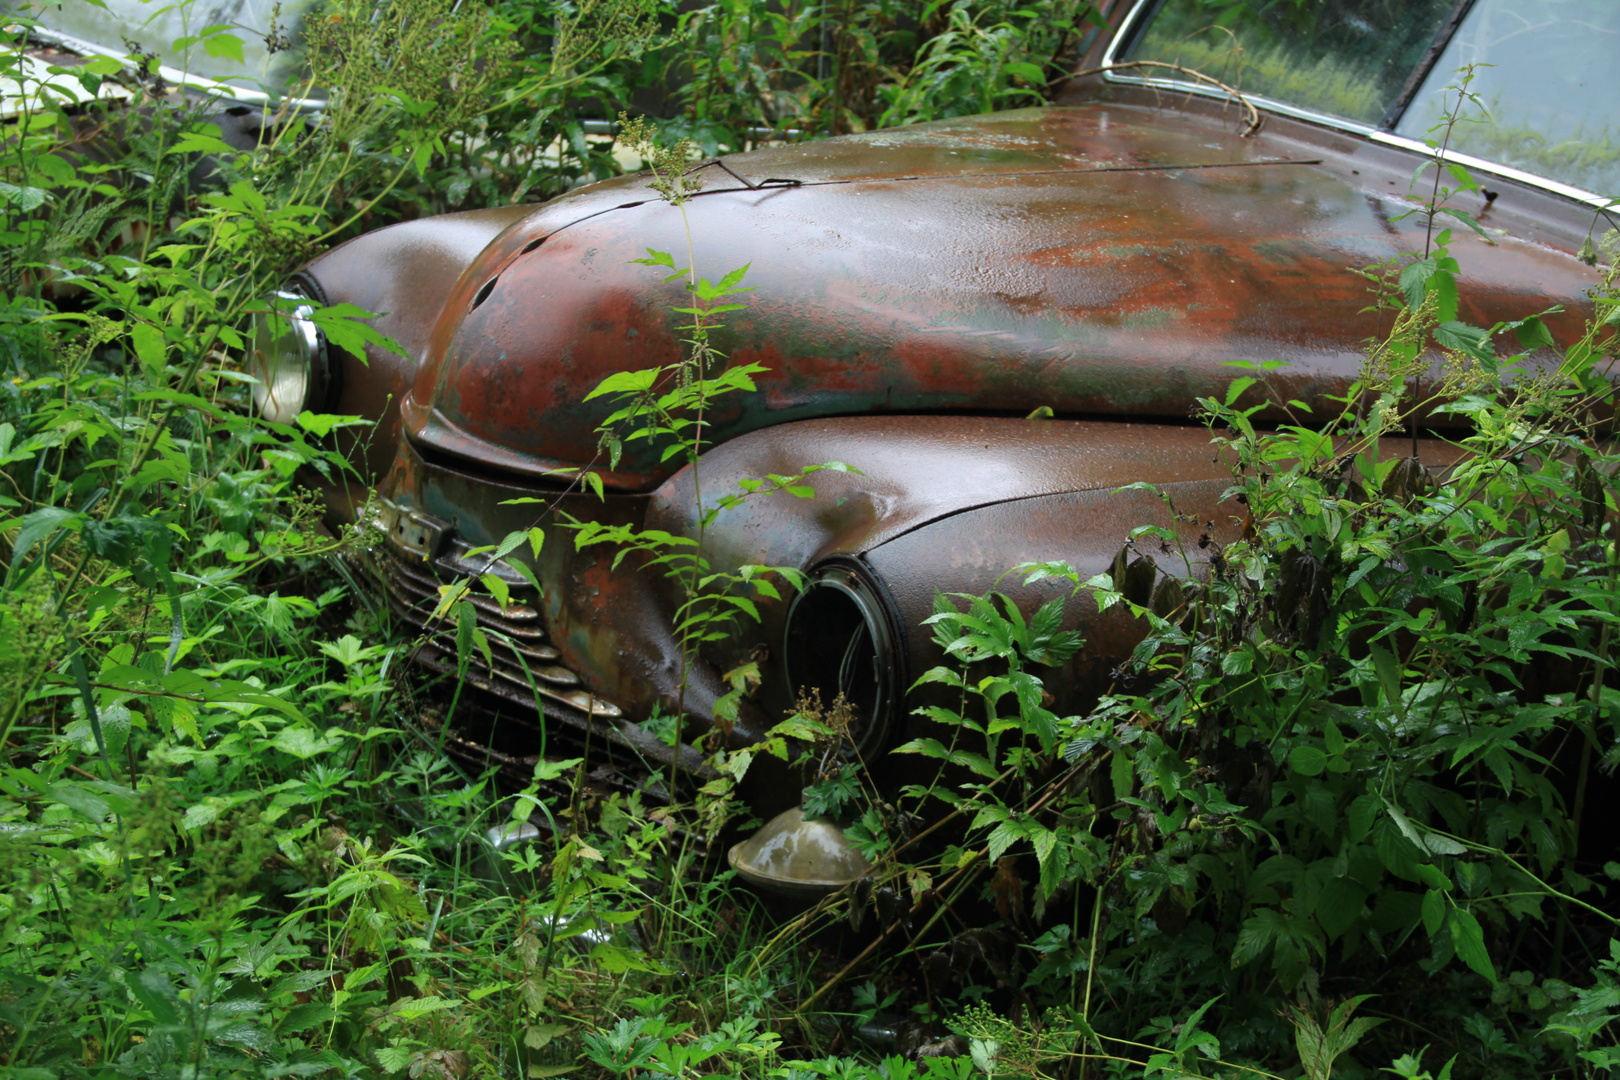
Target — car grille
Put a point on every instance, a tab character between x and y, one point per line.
526	674
517	642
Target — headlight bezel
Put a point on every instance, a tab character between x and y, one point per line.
285	342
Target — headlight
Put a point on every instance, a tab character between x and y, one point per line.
287	356
840	641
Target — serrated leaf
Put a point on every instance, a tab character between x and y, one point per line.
302	742
1414	280
1468	937
626	382
497	588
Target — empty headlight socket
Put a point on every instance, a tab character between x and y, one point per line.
841	638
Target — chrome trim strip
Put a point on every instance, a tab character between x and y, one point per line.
1387	138
1127	27
1508	172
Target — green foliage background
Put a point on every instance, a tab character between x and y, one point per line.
231	845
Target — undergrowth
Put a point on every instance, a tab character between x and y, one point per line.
1356	779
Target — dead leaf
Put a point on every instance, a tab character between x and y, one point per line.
1008	889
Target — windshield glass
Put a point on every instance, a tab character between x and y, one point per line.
1551	89
1350	58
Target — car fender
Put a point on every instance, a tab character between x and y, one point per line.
403	274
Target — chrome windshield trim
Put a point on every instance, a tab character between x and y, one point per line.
1507	172
1127	29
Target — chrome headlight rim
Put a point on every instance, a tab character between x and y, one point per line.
288	357
841	633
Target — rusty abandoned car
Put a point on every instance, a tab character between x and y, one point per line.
917	295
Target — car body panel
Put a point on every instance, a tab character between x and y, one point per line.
404	273
1108	261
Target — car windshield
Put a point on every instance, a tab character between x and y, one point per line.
1548	78
1350	59
1545	73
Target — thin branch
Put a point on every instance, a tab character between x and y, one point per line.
1254	118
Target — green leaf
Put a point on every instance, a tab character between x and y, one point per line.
1533	333
1434	911
23	198
223	46
345	329
984	1053
1469	939
321	425
149	346
626	382
302	742
93	800
656	258
1414	280
1471	340
1433	876
619	960
1339	905
1121	773
40	526
197	142
497	588
545	770
1468	220
1307	760
1030	73
1389	677
733	279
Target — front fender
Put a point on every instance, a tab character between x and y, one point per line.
403	273
950	504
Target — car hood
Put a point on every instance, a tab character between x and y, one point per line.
1108	260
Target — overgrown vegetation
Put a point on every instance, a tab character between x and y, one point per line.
1348	813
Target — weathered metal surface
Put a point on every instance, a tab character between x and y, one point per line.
952	504
404	273
1102	261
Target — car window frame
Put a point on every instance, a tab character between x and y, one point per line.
1135	20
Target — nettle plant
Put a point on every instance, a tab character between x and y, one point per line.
669	404
1374	734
